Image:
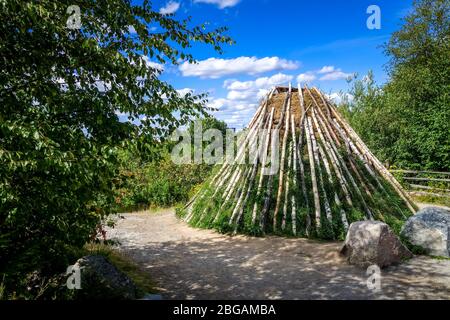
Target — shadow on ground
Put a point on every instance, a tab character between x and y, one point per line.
200	264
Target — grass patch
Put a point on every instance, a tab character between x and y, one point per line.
139	277
442	201
417	250
439	258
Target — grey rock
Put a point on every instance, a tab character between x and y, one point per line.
102	280
373	243
429	229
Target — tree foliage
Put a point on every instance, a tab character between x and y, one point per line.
61	91
370	117
160	182
407	121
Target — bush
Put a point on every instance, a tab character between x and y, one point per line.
62	91
406	121
160	182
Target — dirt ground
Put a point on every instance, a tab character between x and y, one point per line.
189	263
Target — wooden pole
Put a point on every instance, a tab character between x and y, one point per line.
286	193
334	160
350	177
270	182
294	155
338	202
315	149
239	208
381	169
263	164
283	154
300	158
313	173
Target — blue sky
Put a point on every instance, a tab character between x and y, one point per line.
320	42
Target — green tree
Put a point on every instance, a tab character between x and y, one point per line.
159	181
371	117
61	91
418	93
407	121
206	123
209	122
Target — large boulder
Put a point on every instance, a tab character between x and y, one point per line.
102	280
429	229
373	243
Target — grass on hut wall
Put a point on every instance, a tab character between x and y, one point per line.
386	205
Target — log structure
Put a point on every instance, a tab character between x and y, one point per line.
300	170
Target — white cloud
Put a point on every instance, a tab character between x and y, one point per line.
238	85
326	69
327	73
214	68
260	83
220	3
350	97
183	92
152	64
277	79
262	93
338	98
243	98
306	77
240	95
217	103
131	30
121	114
230	107
170	7
336	75
235	113
238	118
101	85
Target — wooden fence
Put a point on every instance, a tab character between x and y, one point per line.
431	183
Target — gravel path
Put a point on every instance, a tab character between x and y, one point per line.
188	263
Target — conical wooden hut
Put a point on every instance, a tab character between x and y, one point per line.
312	175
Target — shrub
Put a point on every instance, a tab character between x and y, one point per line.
62	91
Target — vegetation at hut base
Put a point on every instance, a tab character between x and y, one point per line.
432	199
433	188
